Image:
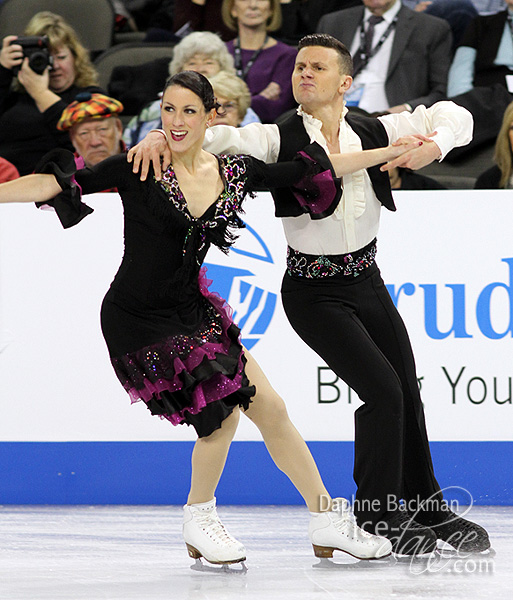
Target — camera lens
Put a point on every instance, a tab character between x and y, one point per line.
38	62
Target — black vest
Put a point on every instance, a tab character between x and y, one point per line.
293	138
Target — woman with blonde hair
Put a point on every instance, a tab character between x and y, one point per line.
31	102
234	96
501	174
264	63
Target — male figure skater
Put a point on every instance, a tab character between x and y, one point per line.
334	296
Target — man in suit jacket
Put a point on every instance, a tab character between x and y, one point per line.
407	68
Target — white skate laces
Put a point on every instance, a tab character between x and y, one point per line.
337	530
206	536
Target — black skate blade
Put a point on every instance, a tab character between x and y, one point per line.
447	551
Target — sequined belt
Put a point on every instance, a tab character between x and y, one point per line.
315	267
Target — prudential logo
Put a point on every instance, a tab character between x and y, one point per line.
243	281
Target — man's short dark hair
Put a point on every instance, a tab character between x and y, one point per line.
328	41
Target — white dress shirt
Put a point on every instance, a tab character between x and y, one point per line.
355	221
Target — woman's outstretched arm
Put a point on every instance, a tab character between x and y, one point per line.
349	162
292	172
37	187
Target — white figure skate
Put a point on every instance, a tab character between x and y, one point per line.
337	530
205	536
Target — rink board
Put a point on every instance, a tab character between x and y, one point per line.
159	473
68	434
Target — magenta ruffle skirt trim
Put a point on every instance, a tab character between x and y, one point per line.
185	373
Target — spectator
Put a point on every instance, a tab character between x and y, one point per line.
406	64
8	171
201	51
263	62
458	13
500	176
31	105
485	55
94	127
234	96
478	77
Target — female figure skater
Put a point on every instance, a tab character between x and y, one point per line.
172	343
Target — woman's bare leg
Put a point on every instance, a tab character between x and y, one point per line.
283	441
208	460
204	533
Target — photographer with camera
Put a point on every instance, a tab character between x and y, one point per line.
39	76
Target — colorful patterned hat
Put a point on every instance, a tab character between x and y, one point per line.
88	106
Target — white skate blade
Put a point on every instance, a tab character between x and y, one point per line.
230	568
329	563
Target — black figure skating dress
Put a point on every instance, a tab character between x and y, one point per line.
173	343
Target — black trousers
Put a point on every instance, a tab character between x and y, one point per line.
353	325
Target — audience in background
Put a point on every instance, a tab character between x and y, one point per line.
264	63
479	74
94	127
234	96
201	51
501	174
458	13
404	65
409	67
485	55
31	103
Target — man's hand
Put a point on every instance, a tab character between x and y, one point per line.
150	150
417	157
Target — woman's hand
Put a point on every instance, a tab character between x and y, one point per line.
150	150
10	55
37	86
34	83
405	144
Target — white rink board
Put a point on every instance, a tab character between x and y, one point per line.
57	383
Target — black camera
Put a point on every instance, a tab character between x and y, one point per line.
37	49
